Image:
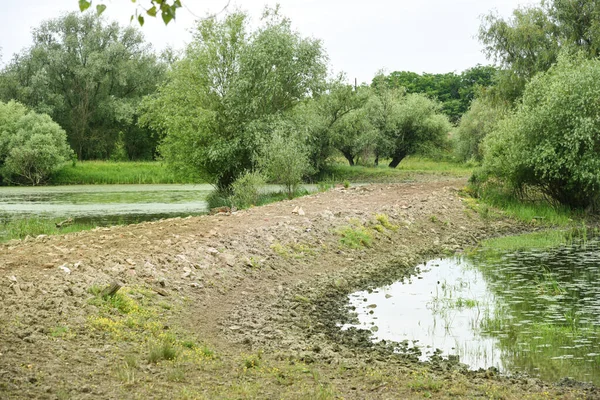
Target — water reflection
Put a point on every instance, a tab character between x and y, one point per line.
534	311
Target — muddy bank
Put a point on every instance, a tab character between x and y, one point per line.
248	303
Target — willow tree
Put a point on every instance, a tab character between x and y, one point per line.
223	99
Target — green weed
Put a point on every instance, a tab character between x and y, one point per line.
356	237
163	351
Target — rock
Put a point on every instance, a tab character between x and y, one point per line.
295	210
17	289
65	269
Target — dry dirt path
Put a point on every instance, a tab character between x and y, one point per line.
236	306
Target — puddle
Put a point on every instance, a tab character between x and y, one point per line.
530	311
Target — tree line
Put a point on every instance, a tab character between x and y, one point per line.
241	100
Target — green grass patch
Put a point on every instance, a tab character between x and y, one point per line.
109	172
536	240
23	227
536	211
408	168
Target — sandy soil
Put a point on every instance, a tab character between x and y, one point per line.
238	306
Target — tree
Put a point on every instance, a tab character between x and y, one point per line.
89	76
32	146
406	124
551	143
481	119
529	42
353	135
225	98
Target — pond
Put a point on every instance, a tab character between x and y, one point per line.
535	311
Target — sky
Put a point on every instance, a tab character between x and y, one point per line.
361	36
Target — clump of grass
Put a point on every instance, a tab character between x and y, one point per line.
59	331
385	222
356	237
252	361
163	351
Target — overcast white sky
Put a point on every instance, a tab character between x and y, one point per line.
361	36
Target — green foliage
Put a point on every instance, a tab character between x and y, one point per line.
32	146
89	76
455	92
551	142
406	124
482	118
285	161
166	8
531	40
247	189
224	99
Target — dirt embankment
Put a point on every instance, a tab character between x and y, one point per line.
237	306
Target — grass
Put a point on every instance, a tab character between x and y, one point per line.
410	166
33	227
109	172
535	212
356	237
536	240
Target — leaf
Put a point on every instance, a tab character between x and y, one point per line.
84	5
100	8
152	11
167	16
141	20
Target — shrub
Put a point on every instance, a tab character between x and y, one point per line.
32	146
552	142
246	189
285	161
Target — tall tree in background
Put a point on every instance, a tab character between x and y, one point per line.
89	76
455	92
530	41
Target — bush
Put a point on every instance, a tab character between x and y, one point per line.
246	189
552	142
32	146
285	161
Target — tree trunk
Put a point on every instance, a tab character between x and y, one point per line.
349	157
376	160
398	156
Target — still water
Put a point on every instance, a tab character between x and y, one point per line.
535	311
104	204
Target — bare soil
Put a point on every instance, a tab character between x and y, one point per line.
239	306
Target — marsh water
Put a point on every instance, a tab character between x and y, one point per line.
104	204
534	311
109	204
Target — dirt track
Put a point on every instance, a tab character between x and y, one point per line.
249	302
